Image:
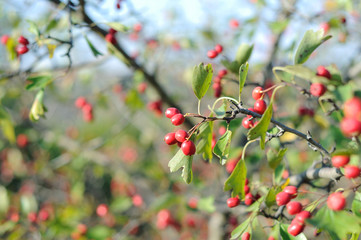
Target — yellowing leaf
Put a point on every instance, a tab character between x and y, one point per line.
51	49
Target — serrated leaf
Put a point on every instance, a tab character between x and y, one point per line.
180	160
237	180
243	53
201	80
356	204
51	25
221	149
311	40
37	109
38	82
95	52
273	159
271	197
338	223
117	26
231	66
133	100
7	125
33	28
238	231
205	136
206	204
243	70
289	72
286	236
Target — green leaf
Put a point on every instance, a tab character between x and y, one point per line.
7	125
221	149
117	26
231	66
238	231
278	173
356	204
51	25
38	82
338	223
278	27
201	80
206	204
133	100
243	70
273	159
271	197
113	50
204	145
10	47
286	236
311	40
92	48
237	180
243	53
99	232
180	160
37	109
33	28
4	200
289	72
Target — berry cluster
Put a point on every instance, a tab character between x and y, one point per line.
318	89
110	37
350	171
248	199
214	52
156	107
259	107
180	137
351	123
293	208
86	108
217	87
22	48
165	219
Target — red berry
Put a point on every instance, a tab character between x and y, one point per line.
118	6
222	73
112	31
231	164
110	38
336	201
233	23
222	130
247	181
193	202
142	87
340	160
302	111
217	89
257	93
22	49
246	189
283	198
188	148
177	119
88	117
233	202
170	112
102	210
291	190
164	218
82	228
295	229
80	102
87	108
212	53
218	48
294	207
350	127
323	72
302	216
181	135
352	171
43	215
22	40
217	81
325	26
137	200
32	217
352	108
271	238
137	27
4	39
246	123
170	139
22	140
317	89
260	106
246	236
248	199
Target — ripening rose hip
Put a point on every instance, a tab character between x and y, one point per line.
350	127
352	171
181	135
170	139
257	93
212	54
352	108
294	207
336	201
340	160
177	119
317	89
323	72
170	112
233	202
218	48
283	198
188	148
260	106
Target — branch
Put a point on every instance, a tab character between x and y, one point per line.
316	173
